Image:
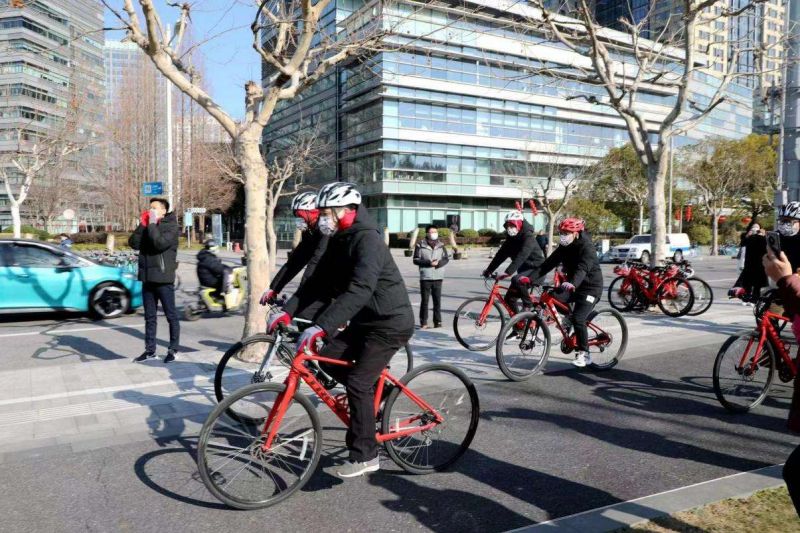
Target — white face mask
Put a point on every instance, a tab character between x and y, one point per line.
566	240
326	225
301	224
512	231
433	236
787	229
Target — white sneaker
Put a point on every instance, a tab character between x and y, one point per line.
355	468
582	359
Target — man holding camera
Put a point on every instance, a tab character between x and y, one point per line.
156	238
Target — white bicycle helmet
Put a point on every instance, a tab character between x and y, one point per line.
305	201
338	194
514	216
790	210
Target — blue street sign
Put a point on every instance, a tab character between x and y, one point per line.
152	188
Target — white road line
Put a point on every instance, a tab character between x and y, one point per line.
63	331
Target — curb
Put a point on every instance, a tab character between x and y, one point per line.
623	514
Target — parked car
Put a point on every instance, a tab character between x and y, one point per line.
36	276
638	248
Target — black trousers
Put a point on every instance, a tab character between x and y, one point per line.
519	290
791	475
430	288
371	350
152	293
582	305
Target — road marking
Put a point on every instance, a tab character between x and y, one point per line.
63	331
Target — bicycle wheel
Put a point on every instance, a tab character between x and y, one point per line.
402	362
450	392
622	294
231	461
675	297
608	338
524	348
472	333
703	296
234	373
738	383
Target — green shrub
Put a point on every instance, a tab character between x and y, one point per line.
90	238
699	234
487	232
468	234
40	234
444	233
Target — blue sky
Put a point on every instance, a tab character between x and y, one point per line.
229	59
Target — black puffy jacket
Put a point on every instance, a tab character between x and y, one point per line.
209	268
307	254
523	249
158	249
753	275
580	264
358	271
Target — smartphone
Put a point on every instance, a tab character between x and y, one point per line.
774	242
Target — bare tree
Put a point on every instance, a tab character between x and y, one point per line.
622	178
54	192
288	39
671	64
552	185
30	160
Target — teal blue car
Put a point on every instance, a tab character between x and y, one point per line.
35	276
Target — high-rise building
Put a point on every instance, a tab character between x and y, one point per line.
52	83
462	121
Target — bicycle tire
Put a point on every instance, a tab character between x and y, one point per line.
612	290
220	380
623	344
476	347
718	386
210	480
660	301
509	330
702	304
393	447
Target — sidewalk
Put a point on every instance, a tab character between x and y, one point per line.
87	405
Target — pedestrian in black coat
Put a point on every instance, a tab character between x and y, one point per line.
156	238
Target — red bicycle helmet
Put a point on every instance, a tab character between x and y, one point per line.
572	225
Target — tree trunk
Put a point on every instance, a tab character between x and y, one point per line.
16	220
272	239
641	218
551	226
714	232
254	172
656	174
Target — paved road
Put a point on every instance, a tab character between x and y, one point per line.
105	446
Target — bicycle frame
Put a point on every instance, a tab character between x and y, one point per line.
550	306
495	295
299	371
767	332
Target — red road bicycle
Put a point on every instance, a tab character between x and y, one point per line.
638	287
525	345
478	321
745	366
262	443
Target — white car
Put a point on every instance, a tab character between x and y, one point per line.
638	248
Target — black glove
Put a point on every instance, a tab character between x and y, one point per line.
486	273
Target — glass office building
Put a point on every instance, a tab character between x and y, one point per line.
462	116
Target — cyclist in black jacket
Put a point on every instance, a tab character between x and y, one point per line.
526	256
359	273
307	254
584	285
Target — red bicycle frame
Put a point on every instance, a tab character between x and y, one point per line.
299	371
550	306
495	295
767	332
